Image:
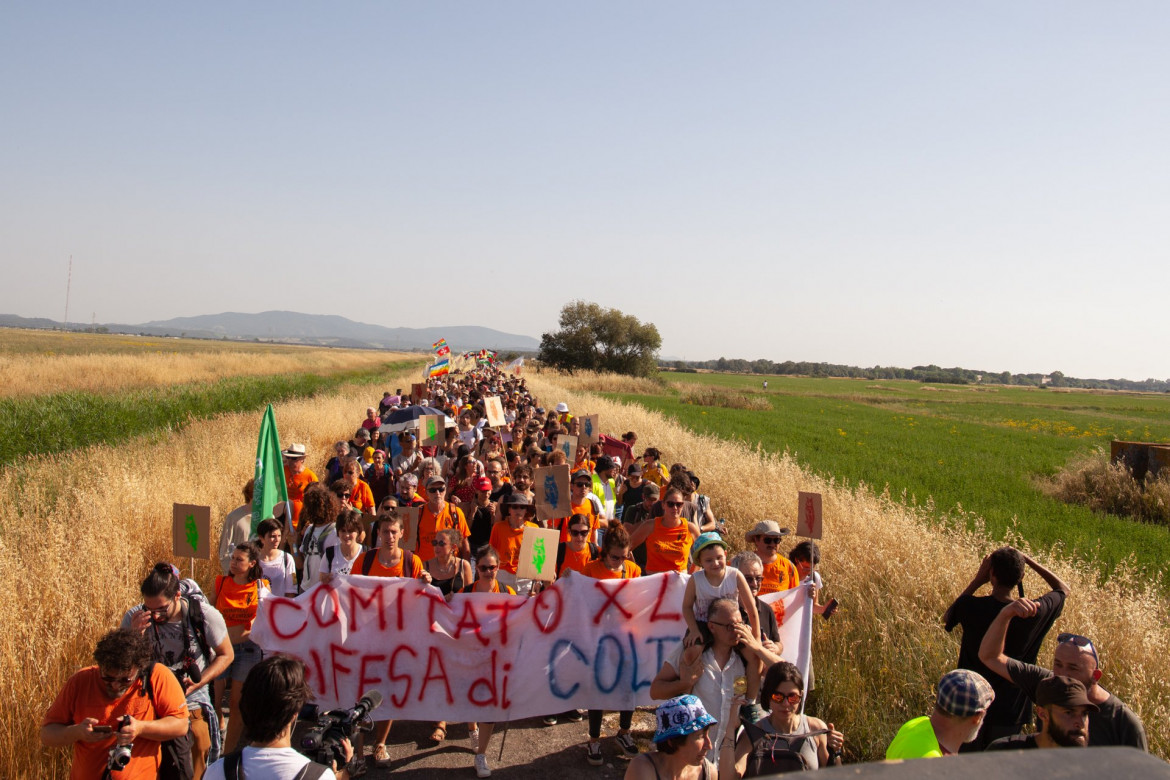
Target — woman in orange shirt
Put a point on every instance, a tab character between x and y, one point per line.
361	497
487	567
237	597
507	535
574	554
612	564
388	560
668	538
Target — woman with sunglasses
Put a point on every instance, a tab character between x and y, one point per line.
668	538
237	597
507	536
487	569
576	554
787	740
612	564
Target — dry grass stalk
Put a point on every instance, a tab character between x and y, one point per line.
585	381
1110	488
895	571
26	375
710	395
80	531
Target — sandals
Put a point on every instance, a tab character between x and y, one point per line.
381	755
439	734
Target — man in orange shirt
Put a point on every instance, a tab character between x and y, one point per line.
583	502
779	573
437	515
125	700
296	478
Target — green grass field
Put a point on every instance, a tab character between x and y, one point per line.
56	422
983	450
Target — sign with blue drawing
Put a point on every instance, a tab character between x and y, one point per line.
551	485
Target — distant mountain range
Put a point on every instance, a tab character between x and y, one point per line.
292	327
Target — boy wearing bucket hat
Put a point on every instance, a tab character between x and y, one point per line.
716	580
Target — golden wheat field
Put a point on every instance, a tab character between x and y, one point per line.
33	362
80	530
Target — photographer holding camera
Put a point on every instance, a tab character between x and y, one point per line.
189	637
272	697
125	701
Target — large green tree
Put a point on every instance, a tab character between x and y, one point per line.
592	338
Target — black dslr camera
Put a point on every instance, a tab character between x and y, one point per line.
322	743
120	754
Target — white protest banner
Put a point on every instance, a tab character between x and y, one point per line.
538	554
581	643
808	515
495	411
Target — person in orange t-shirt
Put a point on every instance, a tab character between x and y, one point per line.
436	515
779	573
508	535
582	504
361	497
388	560
237	597
125	682
668	538
296	479
576	553
614	563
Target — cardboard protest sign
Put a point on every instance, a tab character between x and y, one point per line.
590	433
191	531
417	391
808	515
568	445
581	643
538	554
410	516
551	485
495	411
431	430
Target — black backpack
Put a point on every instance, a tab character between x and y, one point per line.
774	754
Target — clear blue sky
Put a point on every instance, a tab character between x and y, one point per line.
897	183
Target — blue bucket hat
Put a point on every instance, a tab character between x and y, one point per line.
681	716
704	541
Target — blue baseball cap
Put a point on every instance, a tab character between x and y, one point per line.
704	541
680	716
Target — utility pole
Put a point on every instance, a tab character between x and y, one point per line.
68	284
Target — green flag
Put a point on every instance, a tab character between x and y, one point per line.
270	488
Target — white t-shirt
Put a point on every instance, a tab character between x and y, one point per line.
340	564
281	574
267	764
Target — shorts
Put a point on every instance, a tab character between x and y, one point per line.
248	654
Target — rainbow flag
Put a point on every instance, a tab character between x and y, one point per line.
439	344
440	368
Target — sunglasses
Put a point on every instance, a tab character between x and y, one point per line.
1079	641
772	539
437	489
486	569
757	579
579	533
674	504
792	698
582	484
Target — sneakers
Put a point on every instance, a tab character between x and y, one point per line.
752	713
549	720
593	754
473	737
481	766
381	755
575	716
626	743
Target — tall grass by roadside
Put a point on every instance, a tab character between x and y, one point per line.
23	375
710	395
44	424
895	571
79	531
1110	488
602	383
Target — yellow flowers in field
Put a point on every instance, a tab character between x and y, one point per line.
1058	428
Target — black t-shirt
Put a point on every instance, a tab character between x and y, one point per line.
1113	723
1010	709
632	497
769	629
481	527
1014	742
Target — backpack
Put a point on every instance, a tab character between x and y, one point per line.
233	768
774	753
